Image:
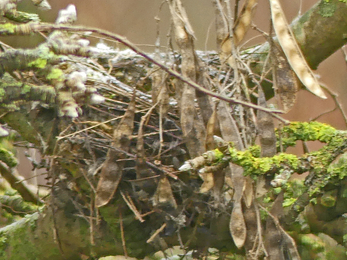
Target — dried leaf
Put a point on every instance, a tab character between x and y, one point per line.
286	83
221	21
142	169
243	21
266	128
292	51
164	196
240	29
219	179
237	225
140	151
160	93
283	243
213	177
273	236
111	172
226	52
228	127
204	101
248	191
260	188
252	239
273	240
210	143
191	123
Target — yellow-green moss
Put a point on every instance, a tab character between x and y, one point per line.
8	157
38	63
7	28
55	74
257	166
327	9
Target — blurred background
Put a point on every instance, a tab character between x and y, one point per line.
137	20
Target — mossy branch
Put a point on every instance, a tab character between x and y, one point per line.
318	162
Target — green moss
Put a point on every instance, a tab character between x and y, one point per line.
293	190
313	242
7	28
25	89
327	9
305	131
38	63
8	158
257	166
2	92
20	248
328	199
3	246
55	74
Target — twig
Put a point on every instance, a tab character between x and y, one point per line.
156	233
132	207
88	128
337	105
122	234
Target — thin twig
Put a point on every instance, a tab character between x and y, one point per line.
122	234
156	233
132	207
337	105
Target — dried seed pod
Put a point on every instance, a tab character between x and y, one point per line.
237	224
111	172
243	21
164	195
286	83
292	51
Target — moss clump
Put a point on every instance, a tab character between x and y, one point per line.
257	166
38	63
327	9
304	131
55	74
7	29
8	158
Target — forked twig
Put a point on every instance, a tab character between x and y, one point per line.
132	207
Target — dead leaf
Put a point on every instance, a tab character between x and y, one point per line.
191	123
292	50
160	93
273	236
285	81
111	172
248	191
237	225
210	143
164	196
244	21
228	127
266	128
253	232
222	26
